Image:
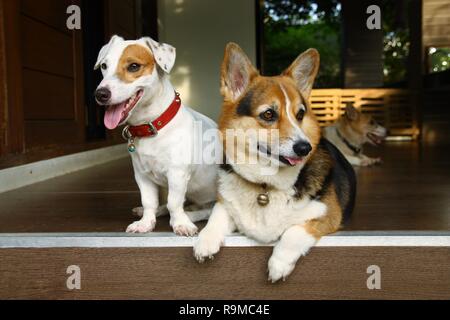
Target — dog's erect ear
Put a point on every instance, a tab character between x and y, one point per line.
105	50
164	54
237	73
351	112
304	71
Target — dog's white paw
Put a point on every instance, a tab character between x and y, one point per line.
367	162
141	226
206	247
377	161
183	227
279	269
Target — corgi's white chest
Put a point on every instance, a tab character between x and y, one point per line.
265	223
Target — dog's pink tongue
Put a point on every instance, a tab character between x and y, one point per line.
294	161
113	115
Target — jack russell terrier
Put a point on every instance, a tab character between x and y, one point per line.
162	133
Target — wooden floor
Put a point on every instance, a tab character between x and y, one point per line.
410	191
236	273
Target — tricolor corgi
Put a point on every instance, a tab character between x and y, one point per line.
351	132
313	186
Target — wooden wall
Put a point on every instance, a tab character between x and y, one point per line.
52	74
42	105
362	48
436	23
41	76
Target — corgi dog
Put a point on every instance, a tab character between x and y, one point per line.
313	186
161	132
351	132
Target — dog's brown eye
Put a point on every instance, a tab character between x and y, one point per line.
104	66
268	115
301	115
134	67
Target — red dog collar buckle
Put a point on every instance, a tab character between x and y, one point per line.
151	129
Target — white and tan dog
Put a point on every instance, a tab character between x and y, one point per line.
351	132
136	91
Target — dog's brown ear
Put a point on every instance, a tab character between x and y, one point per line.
237	72
304	71
351	112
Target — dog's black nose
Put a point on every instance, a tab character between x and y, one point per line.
102	95
302	148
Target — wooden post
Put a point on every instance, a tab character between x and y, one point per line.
362	63
416	64
3	103
12	120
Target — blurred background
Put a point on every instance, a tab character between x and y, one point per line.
400	74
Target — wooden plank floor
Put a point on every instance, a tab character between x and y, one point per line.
410	191
236	273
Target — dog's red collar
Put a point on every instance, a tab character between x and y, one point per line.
151	128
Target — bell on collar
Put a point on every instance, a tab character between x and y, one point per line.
263	199
131	147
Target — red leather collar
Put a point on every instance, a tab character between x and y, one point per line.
151	129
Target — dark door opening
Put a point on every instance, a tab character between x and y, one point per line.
93	40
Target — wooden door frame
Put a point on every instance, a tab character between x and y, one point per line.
3	104
12	121
259	36
12	127
78	67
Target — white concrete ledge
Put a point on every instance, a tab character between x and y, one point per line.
169	240
21	176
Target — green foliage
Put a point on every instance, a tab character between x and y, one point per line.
284	13
439	59
282	46
395	41
293	26
395	56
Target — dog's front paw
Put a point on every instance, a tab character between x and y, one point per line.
377	161
184	227
206	247
141	226
279	269
367	162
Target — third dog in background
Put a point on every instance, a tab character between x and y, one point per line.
351	132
